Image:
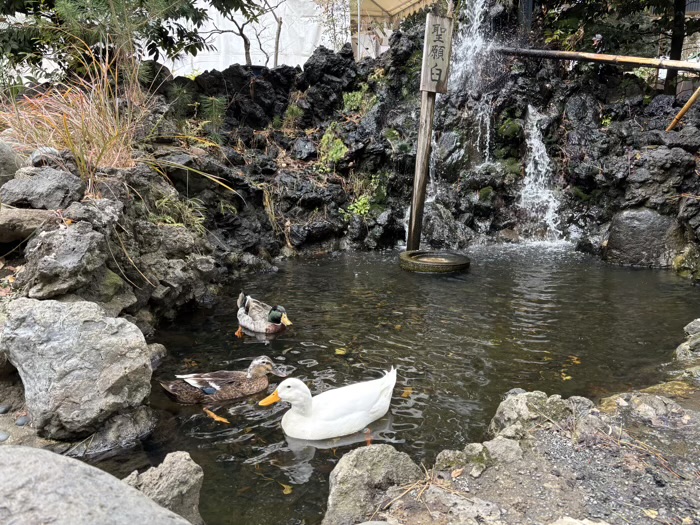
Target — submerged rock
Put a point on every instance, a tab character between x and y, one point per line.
174	484
360	476
46	188
78	366
42	487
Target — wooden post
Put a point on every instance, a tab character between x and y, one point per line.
435	71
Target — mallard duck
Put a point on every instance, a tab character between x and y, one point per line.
332	413
259	317
223	385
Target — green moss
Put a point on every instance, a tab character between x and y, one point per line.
580	194
511	130
111	285
687	263
359	101
486	194
512	166
332	148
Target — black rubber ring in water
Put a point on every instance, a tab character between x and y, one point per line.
433	261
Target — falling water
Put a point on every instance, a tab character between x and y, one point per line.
538	199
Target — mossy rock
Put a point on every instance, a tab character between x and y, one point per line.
512	166
687	263
486	194
579	194
511	130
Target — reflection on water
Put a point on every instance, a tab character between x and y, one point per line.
535	317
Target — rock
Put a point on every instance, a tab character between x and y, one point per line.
101	213
4	436
360	475
502	450
442	230
158	353
643	237
21	421
45	156
174	484
304	149
62	260
4	409
78	366
10	162
18	224
692	328
42	487
46	188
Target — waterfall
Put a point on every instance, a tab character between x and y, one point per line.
538	199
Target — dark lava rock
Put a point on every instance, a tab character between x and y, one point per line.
643	237
304	149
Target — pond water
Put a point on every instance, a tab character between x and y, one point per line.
533	316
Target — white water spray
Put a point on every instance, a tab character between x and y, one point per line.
539	199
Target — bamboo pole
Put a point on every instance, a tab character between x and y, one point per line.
684	110
621	60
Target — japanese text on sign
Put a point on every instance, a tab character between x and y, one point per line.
436	54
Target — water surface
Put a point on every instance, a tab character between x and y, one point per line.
536	317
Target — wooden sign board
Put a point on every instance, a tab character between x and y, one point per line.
436	54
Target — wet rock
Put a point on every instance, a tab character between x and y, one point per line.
304	149
21	421
358	478
10	162
643	237
62	260
18	224
442	230
78	366
46	188
42	487
158	353
692	328
174	484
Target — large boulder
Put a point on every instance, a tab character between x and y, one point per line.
43	187
17	224
62	260
360	476
643	237
39	486
174	484
10	162
78	366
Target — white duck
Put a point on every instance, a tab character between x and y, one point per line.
332	413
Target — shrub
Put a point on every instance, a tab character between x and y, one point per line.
332	148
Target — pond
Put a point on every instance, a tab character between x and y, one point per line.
535	316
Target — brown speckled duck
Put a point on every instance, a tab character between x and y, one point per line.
224	385
258	317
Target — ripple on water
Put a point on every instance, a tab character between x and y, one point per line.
524	316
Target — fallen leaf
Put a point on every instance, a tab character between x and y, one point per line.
651	513
397	327
216	418
407	392
575	360
457	473
565	377
546	359
341	351
2	264
68	222
286	489
11	279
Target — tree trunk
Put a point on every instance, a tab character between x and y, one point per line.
277	41
246	48
677	37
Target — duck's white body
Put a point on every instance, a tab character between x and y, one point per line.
336	412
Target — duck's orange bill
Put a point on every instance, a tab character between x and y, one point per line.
270	400
286	320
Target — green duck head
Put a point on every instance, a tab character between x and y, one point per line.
278	315
262	366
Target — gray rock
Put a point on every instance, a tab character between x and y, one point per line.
46	188
10	162
643	237
692	328
123	430
18	224
42	487
442	230
450	460
101	213
4	436
360	475
78	366
45	156
174	484
571	521
158	353
304	149
21	421
62	260
503	450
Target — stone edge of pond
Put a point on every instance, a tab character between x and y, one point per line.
550	460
